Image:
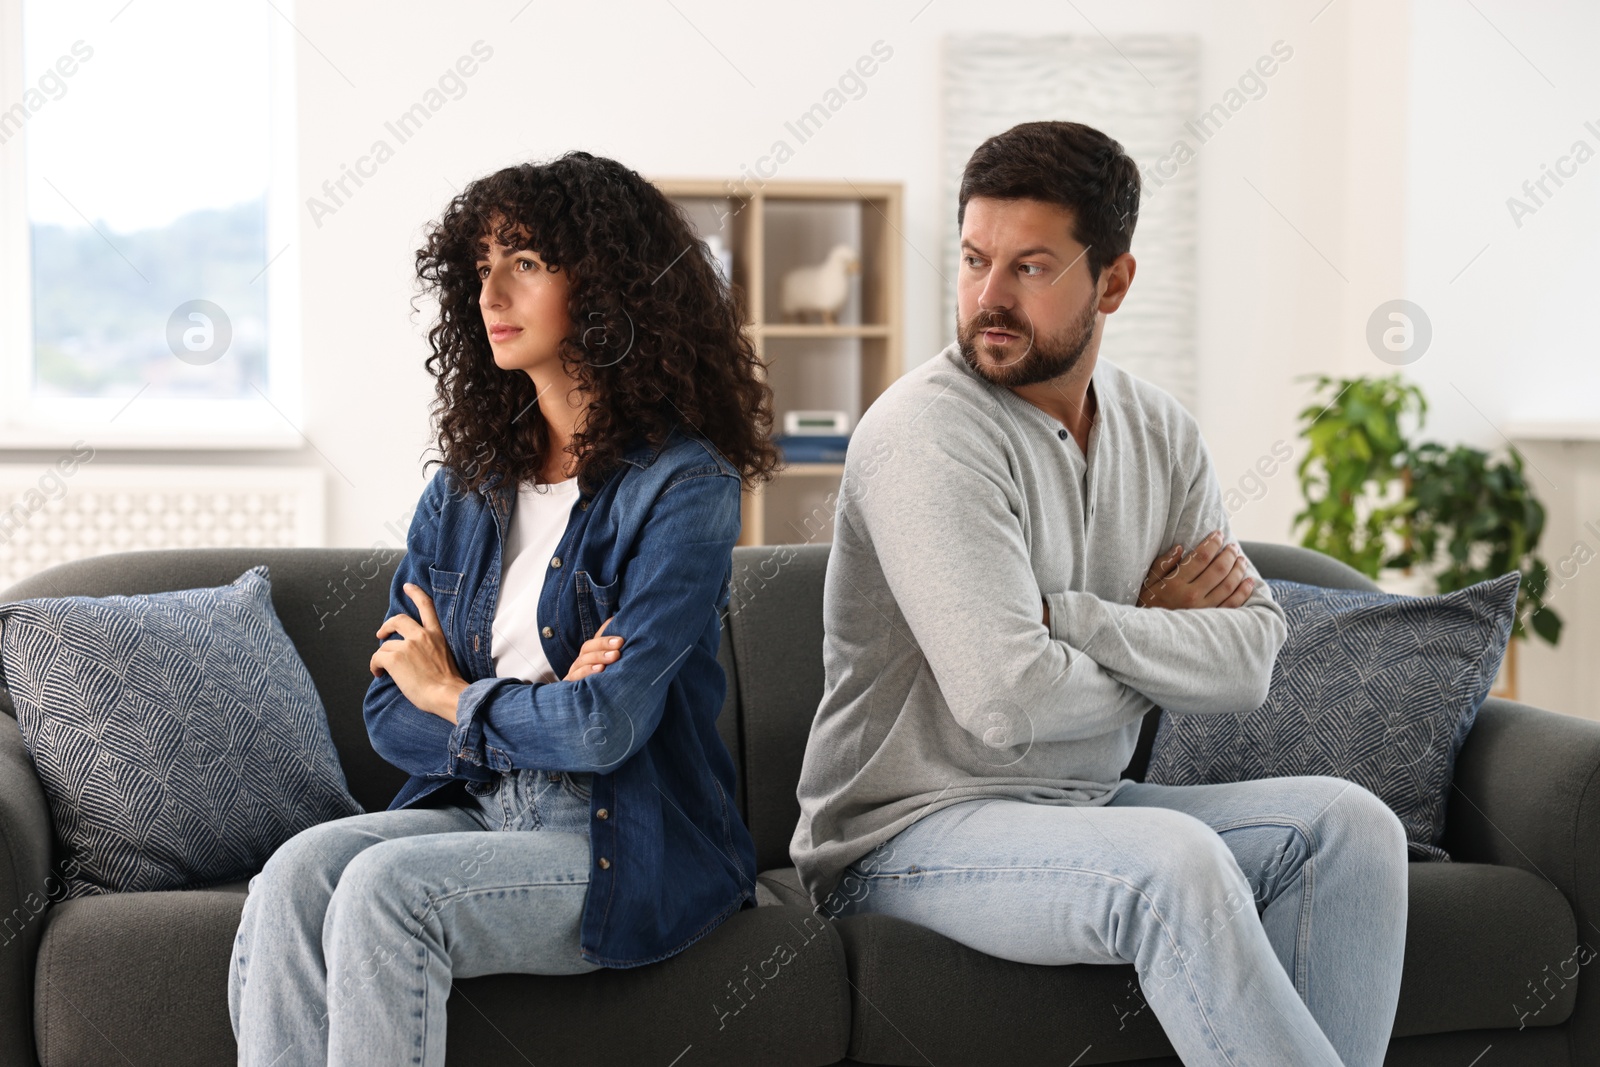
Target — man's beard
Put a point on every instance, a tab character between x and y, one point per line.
1042	359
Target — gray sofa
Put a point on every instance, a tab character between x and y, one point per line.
1494	954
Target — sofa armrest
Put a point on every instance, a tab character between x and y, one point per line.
27	887
1527	794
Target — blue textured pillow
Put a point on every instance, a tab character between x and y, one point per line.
178	736
1372	687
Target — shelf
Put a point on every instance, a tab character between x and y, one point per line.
703	188
770	228
847	189
834	469
1554	430
804	329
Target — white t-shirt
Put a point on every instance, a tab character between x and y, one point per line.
537	522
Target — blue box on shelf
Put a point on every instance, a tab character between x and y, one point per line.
812	448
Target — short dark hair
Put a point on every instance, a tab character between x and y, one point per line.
1065	163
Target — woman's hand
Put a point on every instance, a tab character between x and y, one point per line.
420	663
595	654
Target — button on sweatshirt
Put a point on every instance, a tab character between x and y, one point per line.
963	510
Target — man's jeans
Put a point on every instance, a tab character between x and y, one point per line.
1164	877
354	929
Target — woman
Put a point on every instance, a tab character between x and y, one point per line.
549	663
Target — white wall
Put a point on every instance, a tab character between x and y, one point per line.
1498	95
1515	332
1375	167
668	94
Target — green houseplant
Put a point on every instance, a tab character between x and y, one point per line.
1483	515
1375	500
1355	460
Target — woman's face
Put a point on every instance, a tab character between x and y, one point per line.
524	308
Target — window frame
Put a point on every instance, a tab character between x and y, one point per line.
269	421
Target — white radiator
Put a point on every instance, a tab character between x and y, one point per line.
79	505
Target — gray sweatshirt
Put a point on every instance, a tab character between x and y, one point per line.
961	503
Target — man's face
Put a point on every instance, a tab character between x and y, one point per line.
1026	308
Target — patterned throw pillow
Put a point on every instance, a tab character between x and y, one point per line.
178	736
1372	687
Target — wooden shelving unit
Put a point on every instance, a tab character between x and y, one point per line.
770	228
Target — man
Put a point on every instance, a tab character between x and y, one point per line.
1029	554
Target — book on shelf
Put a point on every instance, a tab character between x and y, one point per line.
812	448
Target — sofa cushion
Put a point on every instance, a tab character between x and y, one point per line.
783	885
1371	687
142	978
765	987
775	613
1477	935
919	997
178	735
137	978
1480	940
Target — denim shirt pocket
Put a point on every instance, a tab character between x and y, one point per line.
596	602
445	592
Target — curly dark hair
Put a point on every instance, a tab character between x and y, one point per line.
657	339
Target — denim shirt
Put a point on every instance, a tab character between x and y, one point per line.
652	546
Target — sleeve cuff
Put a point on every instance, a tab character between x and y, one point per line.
1078	618
468	753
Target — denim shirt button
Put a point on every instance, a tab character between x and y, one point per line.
548	632
602	814
555	561
605	864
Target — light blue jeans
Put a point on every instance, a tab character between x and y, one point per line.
355	928
1164	877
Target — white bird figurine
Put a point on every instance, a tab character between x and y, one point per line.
822	289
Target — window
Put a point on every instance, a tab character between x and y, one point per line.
147	209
